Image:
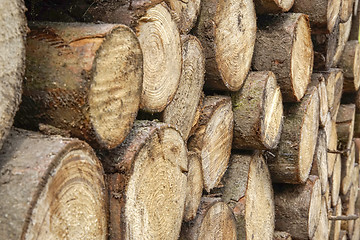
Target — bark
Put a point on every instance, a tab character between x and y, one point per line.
282	235
320	162
350	63
335	181
345	122
297	208
12	62
347	168
51	188
331	135
283	46
258	112
70	71
181	111
272	6
322	230
291	161
318	80
147	186
215	220
213	139
221	26
336	226
334	85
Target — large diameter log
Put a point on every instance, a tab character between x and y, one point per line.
350	63
297	208
291	161
185	12
322	230
12	62
82	78
335	181
282	235
51	188
334	85
221	26
215	220
336	226
148	184
272	6
258	112
331	137
248	190
320	162
318	80
347	168
283	46
182	109
213	138
345	125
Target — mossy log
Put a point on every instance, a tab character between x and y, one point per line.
185	12
345	122
272	6
350	63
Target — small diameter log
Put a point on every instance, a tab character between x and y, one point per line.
322	230
213	138
12	61
282	236
248	190
349	201
194	186
185	12
318	80
320	162
346	10
283	46
347	168
272	6
291	161
258	112
335	181
51	188
336	225
82	78
350	63
331	137
221	26
147	186
182	109
356	231
345	125
297	208
334	86
215	220
323	14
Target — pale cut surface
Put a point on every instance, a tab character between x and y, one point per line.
273	6
160	42
346	10
333	11
349	62
316	206
356	232
336	225
347	168
324	107
336	181
322	230
331	139
345	123
343	36
320	162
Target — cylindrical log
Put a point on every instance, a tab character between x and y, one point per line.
345	125
283	46
185	12
320	162
272	6
258	112
182	109
335	181
291	161
297	208
51	188
334	86
347	168
215	220
318	80
336	225
248	190
213	138
331	139
350	63
221	26
282	235
346	10
148	185
322	230
83	78
12	61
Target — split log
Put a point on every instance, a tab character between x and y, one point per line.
258	112
215	220
147	186
334	86
248	190
182	109
350	63
335	181
12	61
70	70
222	25
283	46
194	187
291	161
347	168
331	139
297	208
272	6
336	225
322	230
345	125
185	12
323	14
282	236
51	188
318	80
346	10
213	138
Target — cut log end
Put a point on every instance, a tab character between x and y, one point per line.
322	229
320	162
317	79
273	6
332	13
336	181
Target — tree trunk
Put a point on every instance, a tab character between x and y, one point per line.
12	61
51	188
345	125
297	208
282	236
291	161
334	86
335	181
258	112
221	26
272	6
215	220
350	63
347	168
71	69
331	137
322	230
248	190
318	80
320	162
283	46
147	185
182	109
213	139
336	225
346	10
185	12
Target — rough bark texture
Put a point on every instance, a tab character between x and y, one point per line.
71	69
350	63
148	186
335	181
283	46
291	161
318	80
282	235
272	6
334	86
213	138
345	125
322	230
222	25
336	225
258	112
51	188
182	109
12	61
347	168
297	208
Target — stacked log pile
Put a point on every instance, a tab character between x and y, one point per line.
206	119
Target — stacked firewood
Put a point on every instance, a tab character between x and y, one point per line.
212	119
